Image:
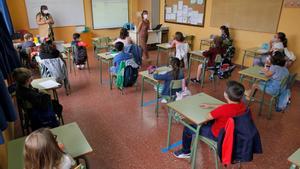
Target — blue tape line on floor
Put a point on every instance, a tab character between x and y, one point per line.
150	102
164	150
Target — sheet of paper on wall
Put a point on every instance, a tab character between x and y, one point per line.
179	13
168	10
185	9
180	5
174	8
200	2
193	1
168	16
179	19
199	18
173	16
185	19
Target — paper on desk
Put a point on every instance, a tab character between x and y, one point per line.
163	72
49	84
113	54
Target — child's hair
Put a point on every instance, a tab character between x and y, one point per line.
47	47
119	46
76	36
282	38
43	7
217	41
144	12
278	59
225	30
41	150
179	36
175	63
27	36
123	33
21	75
235	91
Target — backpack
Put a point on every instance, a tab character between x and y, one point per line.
80	54
136	52
130	76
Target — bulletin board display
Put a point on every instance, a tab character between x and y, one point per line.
187	12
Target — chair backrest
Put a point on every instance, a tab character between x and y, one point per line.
291	80
190	39
284	81
175	84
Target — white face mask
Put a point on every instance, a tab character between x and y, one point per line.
145	16
45	11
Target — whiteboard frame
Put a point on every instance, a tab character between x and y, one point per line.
54	19
111	27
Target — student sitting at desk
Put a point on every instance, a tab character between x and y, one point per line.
278	43
79	51
41	150
277	72
123	37
48	51
216	50
28	38
39	112
182	49
217	118
175	74
121	56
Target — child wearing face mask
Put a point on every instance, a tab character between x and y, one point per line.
143	28
278	43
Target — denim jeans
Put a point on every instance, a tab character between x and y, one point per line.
187	135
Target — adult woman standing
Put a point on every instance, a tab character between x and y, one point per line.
143	34
45	22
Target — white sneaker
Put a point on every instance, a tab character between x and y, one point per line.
82	66
164	101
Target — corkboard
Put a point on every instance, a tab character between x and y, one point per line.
252	15
292	3
200	8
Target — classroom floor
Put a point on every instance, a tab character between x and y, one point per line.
124	135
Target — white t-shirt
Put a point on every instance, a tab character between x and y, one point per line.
66	162
126	41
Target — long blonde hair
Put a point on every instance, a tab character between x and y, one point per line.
41	150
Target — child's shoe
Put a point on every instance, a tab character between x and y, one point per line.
181	154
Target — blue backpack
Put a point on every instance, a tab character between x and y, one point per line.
130	76
136	52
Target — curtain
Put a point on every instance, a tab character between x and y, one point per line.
6	15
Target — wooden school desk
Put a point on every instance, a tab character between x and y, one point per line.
36	84
189	108
106	57
254	73
163	47
206	42
70	135
254	53
68	51
295	159
146	77
197	56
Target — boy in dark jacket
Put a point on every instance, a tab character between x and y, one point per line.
80	52
39	102
234	107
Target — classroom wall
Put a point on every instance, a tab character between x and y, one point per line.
245	39
18	14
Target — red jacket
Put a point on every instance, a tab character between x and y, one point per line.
227	145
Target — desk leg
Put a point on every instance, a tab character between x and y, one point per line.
189	67
100	66
110	75
243	61
142	98
169	126
55	96
203	72
69	60
195	145
157	99
158	53
262	99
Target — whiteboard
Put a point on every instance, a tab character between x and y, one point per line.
109	13
64	12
